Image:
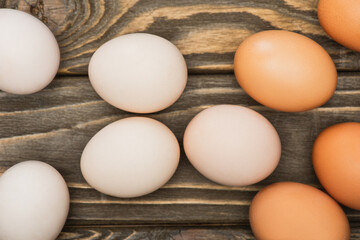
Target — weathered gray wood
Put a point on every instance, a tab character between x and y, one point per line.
55	124
158	233
206	31
167	233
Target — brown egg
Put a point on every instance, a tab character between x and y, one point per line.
341	20
285	71
295	211
336	159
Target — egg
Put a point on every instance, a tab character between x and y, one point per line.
232	145
340	20
285	71
138	72
336	160
294	211
29	53
130	157
34	202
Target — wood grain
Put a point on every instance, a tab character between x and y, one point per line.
167	233
158	233
206	31
55	124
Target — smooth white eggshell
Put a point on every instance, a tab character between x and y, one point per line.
138	72
130	157
34	202
232	145
29	53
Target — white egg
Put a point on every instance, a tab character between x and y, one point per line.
29	53
232	145
138	72
130	157
34	202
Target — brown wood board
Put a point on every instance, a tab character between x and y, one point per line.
206	31
168	233
55	124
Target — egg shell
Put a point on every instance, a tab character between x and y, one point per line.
130	157
29	53
294	211
341	21
34	202
285	71
336	160
138	72
232	145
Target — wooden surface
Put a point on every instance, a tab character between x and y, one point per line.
206	31
161	233
55	124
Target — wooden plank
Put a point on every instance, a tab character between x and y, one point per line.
167	233
206	31
55	124
161	233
